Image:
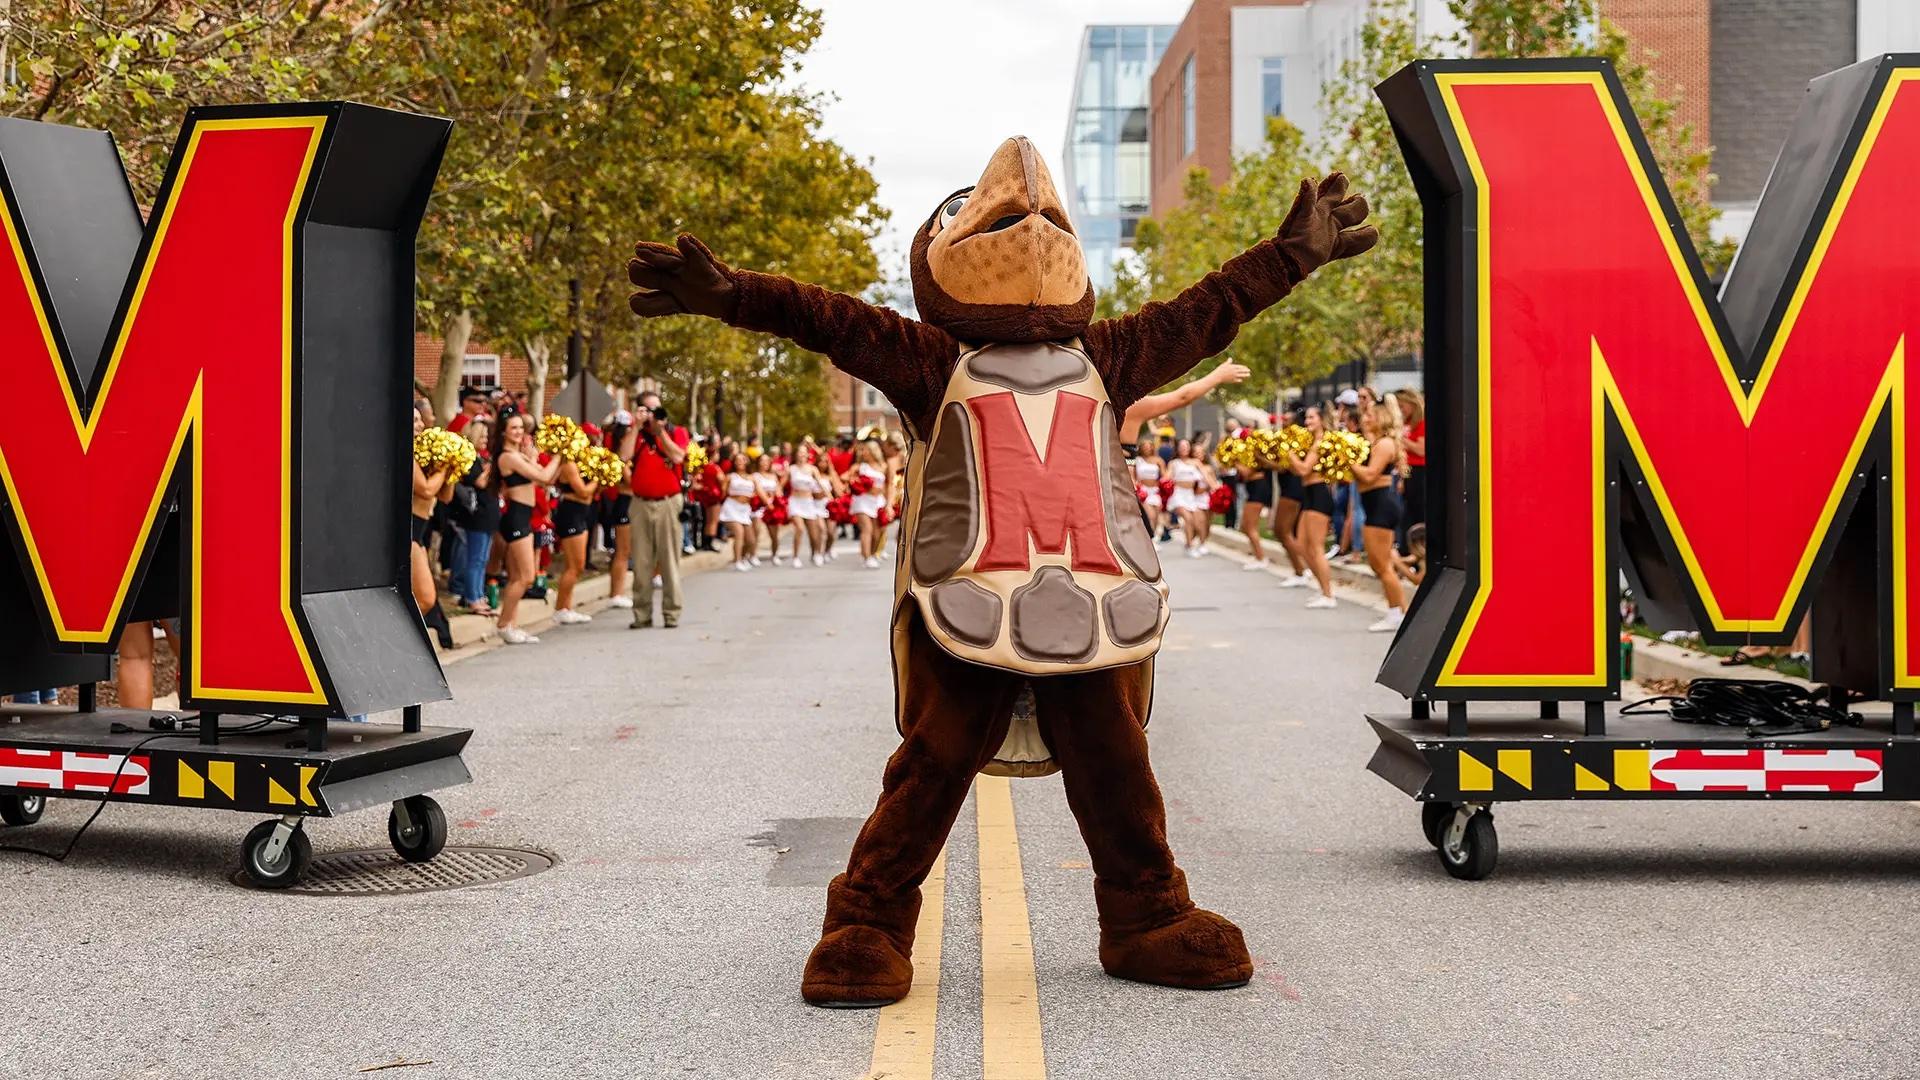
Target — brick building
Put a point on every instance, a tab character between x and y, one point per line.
1738	67
855	405
486	366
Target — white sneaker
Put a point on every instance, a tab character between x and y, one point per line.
779	560
621	601
1322	603
1296	581
1257	564
513	635
1205	550
819	560
743	566
797	563
871	563
1389	624
571	617
1193	553
755	560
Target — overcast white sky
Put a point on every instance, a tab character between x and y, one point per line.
928	88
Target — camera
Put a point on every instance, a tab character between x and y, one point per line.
658	412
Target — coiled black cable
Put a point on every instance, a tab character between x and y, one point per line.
1763	707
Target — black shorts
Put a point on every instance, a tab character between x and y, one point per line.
1381	507
516	523
571	518
1259	489
1290	485
620	510
1317	497
422	526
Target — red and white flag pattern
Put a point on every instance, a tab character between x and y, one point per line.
1766	770
70	770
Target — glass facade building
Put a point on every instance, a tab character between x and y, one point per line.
1108	170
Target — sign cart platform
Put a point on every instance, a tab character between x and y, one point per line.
292	771
1512	756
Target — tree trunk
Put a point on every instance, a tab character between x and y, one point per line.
537	353
454	333
719	404
693	404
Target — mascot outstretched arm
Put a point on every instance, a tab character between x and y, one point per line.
1029	598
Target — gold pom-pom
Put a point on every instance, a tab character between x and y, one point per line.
696	458
1268	452
1234	453
437	448
1339	452
560	435
1294	441
600	465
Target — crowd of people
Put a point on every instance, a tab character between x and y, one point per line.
1371	508
517	521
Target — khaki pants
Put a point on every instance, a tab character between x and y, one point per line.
656	549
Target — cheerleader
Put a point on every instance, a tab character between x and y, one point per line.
428	491
621	436
572	521
1203	457
516	471
807	503
1286	522
1146	474
766	484
736	513
871	468
1189	500
1380	508
1316	513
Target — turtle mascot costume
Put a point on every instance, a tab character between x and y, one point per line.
1029	600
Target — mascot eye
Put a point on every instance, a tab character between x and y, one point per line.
952	210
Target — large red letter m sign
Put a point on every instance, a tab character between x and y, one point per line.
232	373
1744	457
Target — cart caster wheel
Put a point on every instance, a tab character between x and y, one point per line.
279	872
1433	819
1468	845
426	830
22	809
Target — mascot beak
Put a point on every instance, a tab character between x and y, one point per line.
1010	242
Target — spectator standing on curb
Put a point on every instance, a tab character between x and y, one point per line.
659	449
473	406
475	512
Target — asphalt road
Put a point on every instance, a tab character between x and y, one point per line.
699	786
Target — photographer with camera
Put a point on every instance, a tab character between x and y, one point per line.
657	449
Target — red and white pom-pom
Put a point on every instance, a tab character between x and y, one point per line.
757	503
885	516
861	484
1166	490
777	513
1140	493
840	509
1221	500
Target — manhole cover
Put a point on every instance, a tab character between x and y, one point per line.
378	871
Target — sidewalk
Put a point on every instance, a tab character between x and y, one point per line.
1653	661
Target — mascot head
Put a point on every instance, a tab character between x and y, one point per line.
999	261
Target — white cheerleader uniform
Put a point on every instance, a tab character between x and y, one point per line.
737	509
1186	487
768	485
805	504
871	503
1146	473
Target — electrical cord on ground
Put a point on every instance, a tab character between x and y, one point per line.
1763	707
185	732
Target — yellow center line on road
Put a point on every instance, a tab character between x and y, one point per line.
1009	992
903	1037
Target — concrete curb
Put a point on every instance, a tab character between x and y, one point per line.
477	634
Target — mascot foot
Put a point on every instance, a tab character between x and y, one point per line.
856	967
1157	936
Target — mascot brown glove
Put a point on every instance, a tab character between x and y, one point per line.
1324	225
682	280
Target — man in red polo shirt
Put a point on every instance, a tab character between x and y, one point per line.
657	449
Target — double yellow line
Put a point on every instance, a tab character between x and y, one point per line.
1011	1049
